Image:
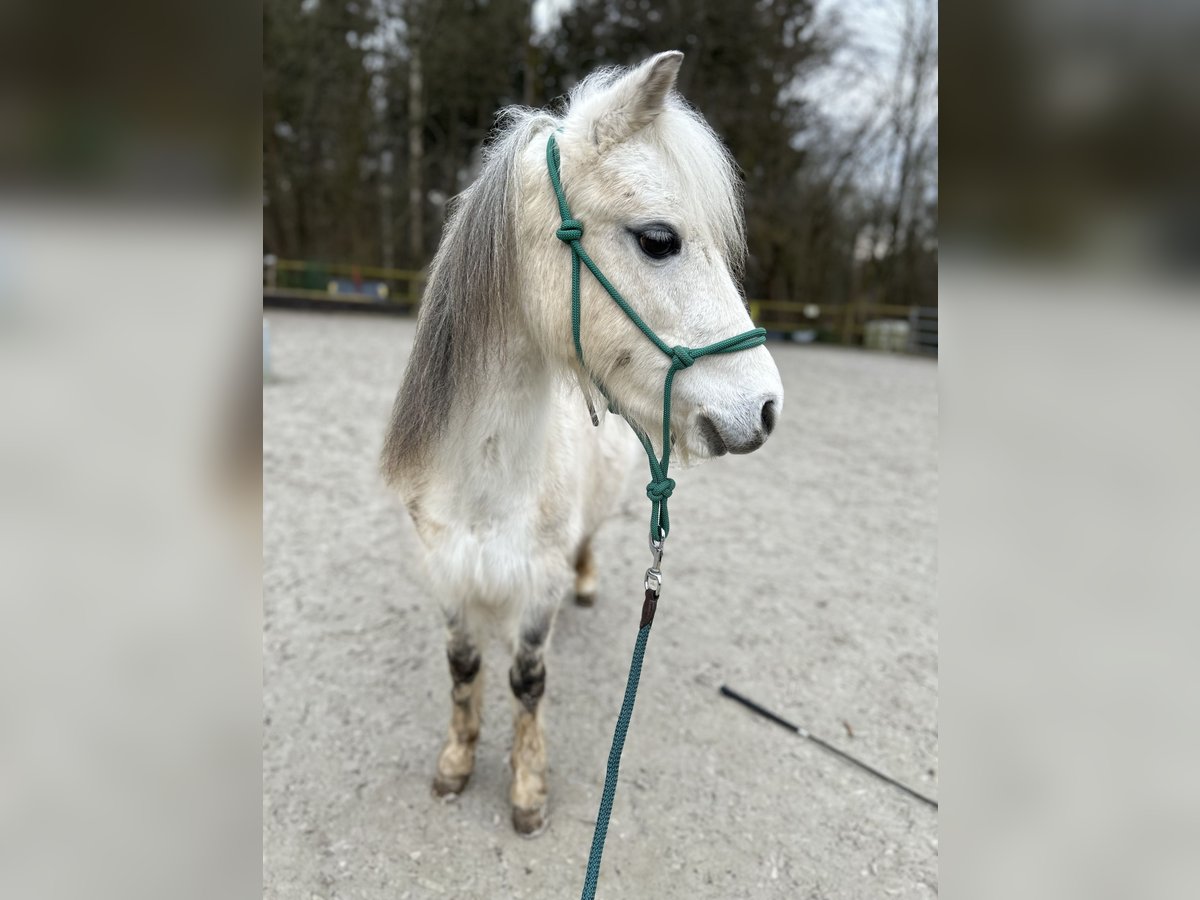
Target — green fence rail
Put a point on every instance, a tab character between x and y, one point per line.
342	282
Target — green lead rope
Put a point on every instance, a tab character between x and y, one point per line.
659	489
592	876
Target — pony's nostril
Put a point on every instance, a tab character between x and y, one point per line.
768	416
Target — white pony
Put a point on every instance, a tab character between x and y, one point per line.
490	443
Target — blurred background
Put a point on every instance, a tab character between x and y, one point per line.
132	194
375	112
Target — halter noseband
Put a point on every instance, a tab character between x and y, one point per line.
660	487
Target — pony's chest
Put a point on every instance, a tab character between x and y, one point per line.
495	497
491	546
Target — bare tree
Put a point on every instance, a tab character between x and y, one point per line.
416	147
911	127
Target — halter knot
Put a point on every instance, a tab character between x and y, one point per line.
571	231
682	356
659	491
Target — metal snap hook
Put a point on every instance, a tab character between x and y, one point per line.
654	580
656	550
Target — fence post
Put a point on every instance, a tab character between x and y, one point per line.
914	322
848	323
413	297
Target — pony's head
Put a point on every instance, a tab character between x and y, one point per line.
660	201
659	198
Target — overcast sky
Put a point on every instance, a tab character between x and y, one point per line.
850	88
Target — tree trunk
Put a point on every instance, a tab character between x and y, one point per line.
387	254
416	156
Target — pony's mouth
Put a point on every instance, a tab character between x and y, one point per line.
711	437
720	437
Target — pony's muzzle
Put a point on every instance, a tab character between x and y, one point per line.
741	434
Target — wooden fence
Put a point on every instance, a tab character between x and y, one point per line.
848	323
913	329
342	283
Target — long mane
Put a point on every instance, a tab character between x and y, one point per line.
464	307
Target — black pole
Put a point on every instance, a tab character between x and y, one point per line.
841	754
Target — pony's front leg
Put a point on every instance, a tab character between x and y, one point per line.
527	678
457	759
585	574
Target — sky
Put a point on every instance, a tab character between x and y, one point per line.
875	20
862	74
873	29
850	89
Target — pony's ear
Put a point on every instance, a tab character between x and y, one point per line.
636	99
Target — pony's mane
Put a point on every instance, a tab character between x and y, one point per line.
464	308
470	282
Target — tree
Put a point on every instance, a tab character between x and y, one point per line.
912	217
316	120
374	112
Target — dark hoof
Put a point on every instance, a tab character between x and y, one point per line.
529	822
585	599
449	786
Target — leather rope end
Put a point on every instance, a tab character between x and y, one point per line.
649	607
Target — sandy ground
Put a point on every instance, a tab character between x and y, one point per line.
802	575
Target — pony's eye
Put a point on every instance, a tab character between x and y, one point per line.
659	242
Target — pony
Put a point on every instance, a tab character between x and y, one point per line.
502	470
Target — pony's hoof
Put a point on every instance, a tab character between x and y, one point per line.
529	822
449	786
585	600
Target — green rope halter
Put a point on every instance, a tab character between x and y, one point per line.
660	488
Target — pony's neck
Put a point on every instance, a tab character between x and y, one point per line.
503	431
